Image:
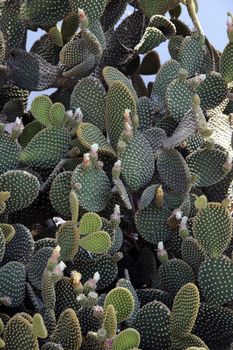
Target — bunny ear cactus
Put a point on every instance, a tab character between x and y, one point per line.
125	339
226	59
90	183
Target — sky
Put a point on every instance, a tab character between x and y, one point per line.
212	15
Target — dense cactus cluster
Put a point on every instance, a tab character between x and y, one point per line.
115	196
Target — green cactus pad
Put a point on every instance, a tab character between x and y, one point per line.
192	253
18	334
153	324
190	340
126	339
119	98
40	109
67	331
90	222
59	193
9	153
152	38
215	278
90	89
110	321
95	187
191	55
57	114
174	274
185	310
151	7
212	227
30	130
43	13
88	134
148	295
174	46
179	99
22	186
2	245
137	163
92	8
212	91
123	302
68	239
225	64
145	113
207	165
111	75
46	148
152	225
178	181
166	73
12	282
96	242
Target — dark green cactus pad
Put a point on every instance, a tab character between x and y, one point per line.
179	180
174	274
174	46
18	334
105	265
23	187
88	134
13	29
152	38
147	197
163	24
9	155
150	63
156	137
21	247
93	187
222	131
184	311
65	296
212	227
87	320
46	48
137	163
44	13
225	64
90	89
93	8
212	91
36	266
153	324
152	225
30	130
207	165
116	236
151	7
191	55
46	148
215	278
190	341
179	99
148	295
44	242
12	282
166	73
192	253
220	191
145	113
59	193
2	245
214	325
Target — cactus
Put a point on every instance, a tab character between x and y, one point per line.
123	302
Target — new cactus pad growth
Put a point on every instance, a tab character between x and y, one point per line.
115	191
